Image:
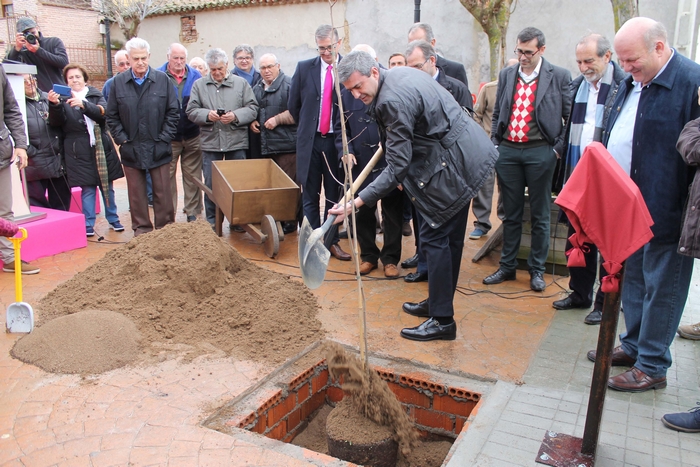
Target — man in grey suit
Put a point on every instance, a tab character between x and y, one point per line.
532	104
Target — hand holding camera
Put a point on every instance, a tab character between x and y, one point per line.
26	40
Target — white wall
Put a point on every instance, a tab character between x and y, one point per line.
287	30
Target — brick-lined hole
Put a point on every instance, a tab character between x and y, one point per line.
436	408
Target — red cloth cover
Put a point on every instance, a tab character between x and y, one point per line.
606	208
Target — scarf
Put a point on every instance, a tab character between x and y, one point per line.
578	118
96	142
247	76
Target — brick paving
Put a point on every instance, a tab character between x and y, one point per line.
528	359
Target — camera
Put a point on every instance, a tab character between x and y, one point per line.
29	37
220	112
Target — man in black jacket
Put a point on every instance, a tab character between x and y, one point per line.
532	104
439	156
275	126
48	54
142	114
423	31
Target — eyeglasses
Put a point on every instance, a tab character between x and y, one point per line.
420	67
267	67
123	64
323	50
244	59
527	53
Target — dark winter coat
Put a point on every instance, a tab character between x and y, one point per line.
432	147
689	147
49	60
143	120
273	101
459	90
10	123
80	157
666	105
44	150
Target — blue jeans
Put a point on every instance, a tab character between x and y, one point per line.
654	293
207	158
88	198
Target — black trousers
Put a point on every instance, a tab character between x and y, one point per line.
443	251
582	280
323	170
58	191
392	213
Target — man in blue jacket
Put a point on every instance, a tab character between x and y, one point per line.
187	144
651	109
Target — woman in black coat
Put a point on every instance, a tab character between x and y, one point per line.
81	117
44	171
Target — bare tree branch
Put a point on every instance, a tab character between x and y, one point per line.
129	14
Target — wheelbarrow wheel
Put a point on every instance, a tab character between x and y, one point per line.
271	245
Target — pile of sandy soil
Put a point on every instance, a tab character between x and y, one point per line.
182	285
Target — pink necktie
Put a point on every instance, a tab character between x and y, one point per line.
327	99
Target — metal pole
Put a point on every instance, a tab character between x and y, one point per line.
601	370
108	48
416	12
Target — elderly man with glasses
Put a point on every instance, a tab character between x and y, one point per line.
312	98
223	105
528	129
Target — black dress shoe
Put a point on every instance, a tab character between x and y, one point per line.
416	277
499	276
431	330
411	262
569	303
537	282
419	309
594	317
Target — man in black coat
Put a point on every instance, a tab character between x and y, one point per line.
144	124
48	54
311	100
439	156
423	31
530	139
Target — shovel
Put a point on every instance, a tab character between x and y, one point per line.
20	315
313	254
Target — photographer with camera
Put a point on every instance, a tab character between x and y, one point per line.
223	105
47	53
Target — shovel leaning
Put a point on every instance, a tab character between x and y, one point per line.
313	254
20	315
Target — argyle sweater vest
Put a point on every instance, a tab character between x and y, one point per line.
523	127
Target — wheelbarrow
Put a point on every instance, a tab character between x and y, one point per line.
253	192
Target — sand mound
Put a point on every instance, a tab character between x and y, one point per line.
183	285
85	342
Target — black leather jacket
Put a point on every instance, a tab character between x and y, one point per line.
273	101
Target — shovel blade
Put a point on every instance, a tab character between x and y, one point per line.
313	255
19	317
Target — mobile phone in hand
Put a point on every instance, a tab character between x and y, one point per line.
61	90
220	112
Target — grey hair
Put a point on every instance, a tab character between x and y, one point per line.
274	57
243	48
429	36
657	32
136	43
527	34
366	48
425	47
119	54
326	31
197	60
603	45
215	56
170	48
357	60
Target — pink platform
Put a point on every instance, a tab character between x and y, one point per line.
76	200
59	231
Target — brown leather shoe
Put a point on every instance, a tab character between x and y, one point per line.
619	357
391	271
635	380
366	267
338	253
